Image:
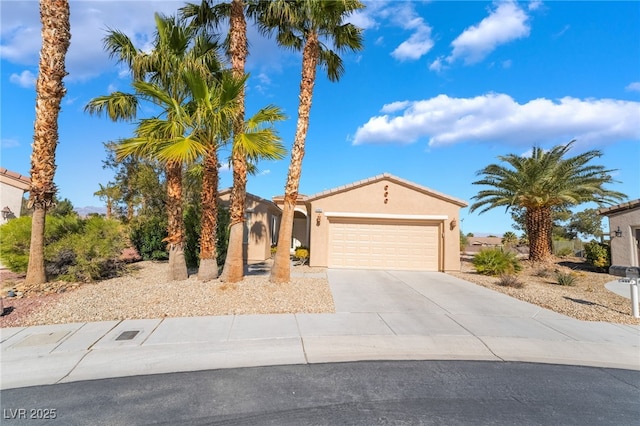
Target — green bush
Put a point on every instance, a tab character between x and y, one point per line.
495	261
564	252
192	236
566	278
598	255
90	254
14	244
75	249
147	235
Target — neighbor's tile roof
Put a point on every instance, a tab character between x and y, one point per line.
15	179
605	211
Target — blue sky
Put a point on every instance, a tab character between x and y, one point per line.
440	90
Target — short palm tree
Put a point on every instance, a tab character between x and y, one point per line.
159	78
541	182
56	35
317	28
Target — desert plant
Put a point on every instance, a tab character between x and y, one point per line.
510	280
566	278
543	273
598	254
495	261
302	254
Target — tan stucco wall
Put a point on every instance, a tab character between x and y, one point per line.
624	251
258	227
11	197
401	200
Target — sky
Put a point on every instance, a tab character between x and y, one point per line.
439	91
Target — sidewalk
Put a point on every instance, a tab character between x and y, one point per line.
380	315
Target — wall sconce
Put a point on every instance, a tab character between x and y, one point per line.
7	213
318	219
618	232
453	224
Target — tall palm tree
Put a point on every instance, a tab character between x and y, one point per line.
56	36
206	16
540	183
159	78
317	28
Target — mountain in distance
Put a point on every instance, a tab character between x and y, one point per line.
85	211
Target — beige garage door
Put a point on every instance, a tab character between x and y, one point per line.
384	244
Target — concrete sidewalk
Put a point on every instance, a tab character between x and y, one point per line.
380	315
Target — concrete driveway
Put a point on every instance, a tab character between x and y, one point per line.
380	315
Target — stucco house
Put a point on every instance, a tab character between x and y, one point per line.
383	222
12	188
624	226
262	218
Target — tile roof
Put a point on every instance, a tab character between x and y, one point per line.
629	205
390	177
15	179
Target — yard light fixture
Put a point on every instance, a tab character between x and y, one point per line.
7	213
618	232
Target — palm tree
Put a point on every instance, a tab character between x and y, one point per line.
50	90
307	25
207	15
540	183
159	78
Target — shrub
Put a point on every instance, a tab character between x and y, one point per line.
495	261
147	235
14	244
598	255
566	278
564	252
75	249
510	280
302	254
543	273
90	254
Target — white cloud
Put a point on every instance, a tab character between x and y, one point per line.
437	65
265	172
506	23
420	42
21	39
633	87
9	143
507	64
499	118
534	5
25	79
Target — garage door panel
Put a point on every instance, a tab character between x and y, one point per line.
384	245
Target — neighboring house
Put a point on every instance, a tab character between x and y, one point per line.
262	218
475	244
383	222
12	188
624	226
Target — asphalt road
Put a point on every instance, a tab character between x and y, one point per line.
359	393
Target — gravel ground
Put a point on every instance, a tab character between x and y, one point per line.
143	294
587	300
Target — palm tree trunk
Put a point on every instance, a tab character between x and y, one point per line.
233	270
539	227
50	90
281	271
175	229
208	269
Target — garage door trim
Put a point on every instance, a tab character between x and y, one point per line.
357	215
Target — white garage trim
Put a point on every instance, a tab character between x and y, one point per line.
358	215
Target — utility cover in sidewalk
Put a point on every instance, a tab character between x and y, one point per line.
128	335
